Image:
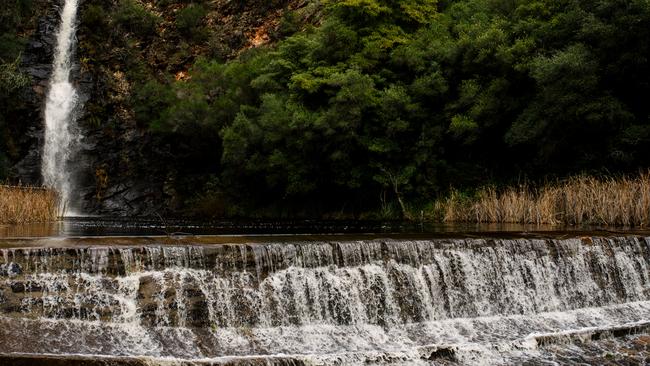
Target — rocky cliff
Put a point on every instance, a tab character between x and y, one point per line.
123	168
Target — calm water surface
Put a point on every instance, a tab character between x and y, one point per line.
107	226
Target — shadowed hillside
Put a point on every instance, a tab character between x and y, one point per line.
335	109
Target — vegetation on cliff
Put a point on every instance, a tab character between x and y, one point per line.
405	99
308	108
16	18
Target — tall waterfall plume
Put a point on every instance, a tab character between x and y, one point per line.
61	137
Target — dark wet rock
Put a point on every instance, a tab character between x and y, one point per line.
8	306
114	178
39	72
18	287
446	353
10	269
14	269
611	350
197	313
27	131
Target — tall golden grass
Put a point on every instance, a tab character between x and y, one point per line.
582	200
19	205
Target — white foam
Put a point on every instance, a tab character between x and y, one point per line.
61	135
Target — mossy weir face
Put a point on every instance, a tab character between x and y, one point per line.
449	301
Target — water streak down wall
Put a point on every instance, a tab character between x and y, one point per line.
61	134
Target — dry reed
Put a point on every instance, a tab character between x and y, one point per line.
580	200
19	205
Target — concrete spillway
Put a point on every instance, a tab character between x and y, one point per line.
440	301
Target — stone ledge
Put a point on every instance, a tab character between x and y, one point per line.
82	360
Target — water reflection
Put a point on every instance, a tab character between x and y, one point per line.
107	226
31	230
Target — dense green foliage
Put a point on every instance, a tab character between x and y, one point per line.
375	103
411	97
133	17
14	18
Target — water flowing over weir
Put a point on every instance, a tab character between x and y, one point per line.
427	302
61	137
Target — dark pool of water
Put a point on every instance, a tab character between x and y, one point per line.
107	226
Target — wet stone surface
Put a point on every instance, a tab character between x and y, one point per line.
627	350
10	269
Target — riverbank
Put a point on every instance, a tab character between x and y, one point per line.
581	200
20	205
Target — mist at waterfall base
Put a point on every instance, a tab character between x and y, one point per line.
61	135
370	302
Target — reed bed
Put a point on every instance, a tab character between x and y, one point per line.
19	205
582	200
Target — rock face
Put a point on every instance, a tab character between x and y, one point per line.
101	151
37	63
122	169
29	132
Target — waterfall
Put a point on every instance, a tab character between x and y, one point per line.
61	137
425	302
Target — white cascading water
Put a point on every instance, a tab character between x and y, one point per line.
61	137
376	302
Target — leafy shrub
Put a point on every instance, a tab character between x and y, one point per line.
95	18
11	78
172	2
149	101
10	46
189	21
15	13
289	24
133	17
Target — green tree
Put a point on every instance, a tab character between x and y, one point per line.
189	22
401	99
133	17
